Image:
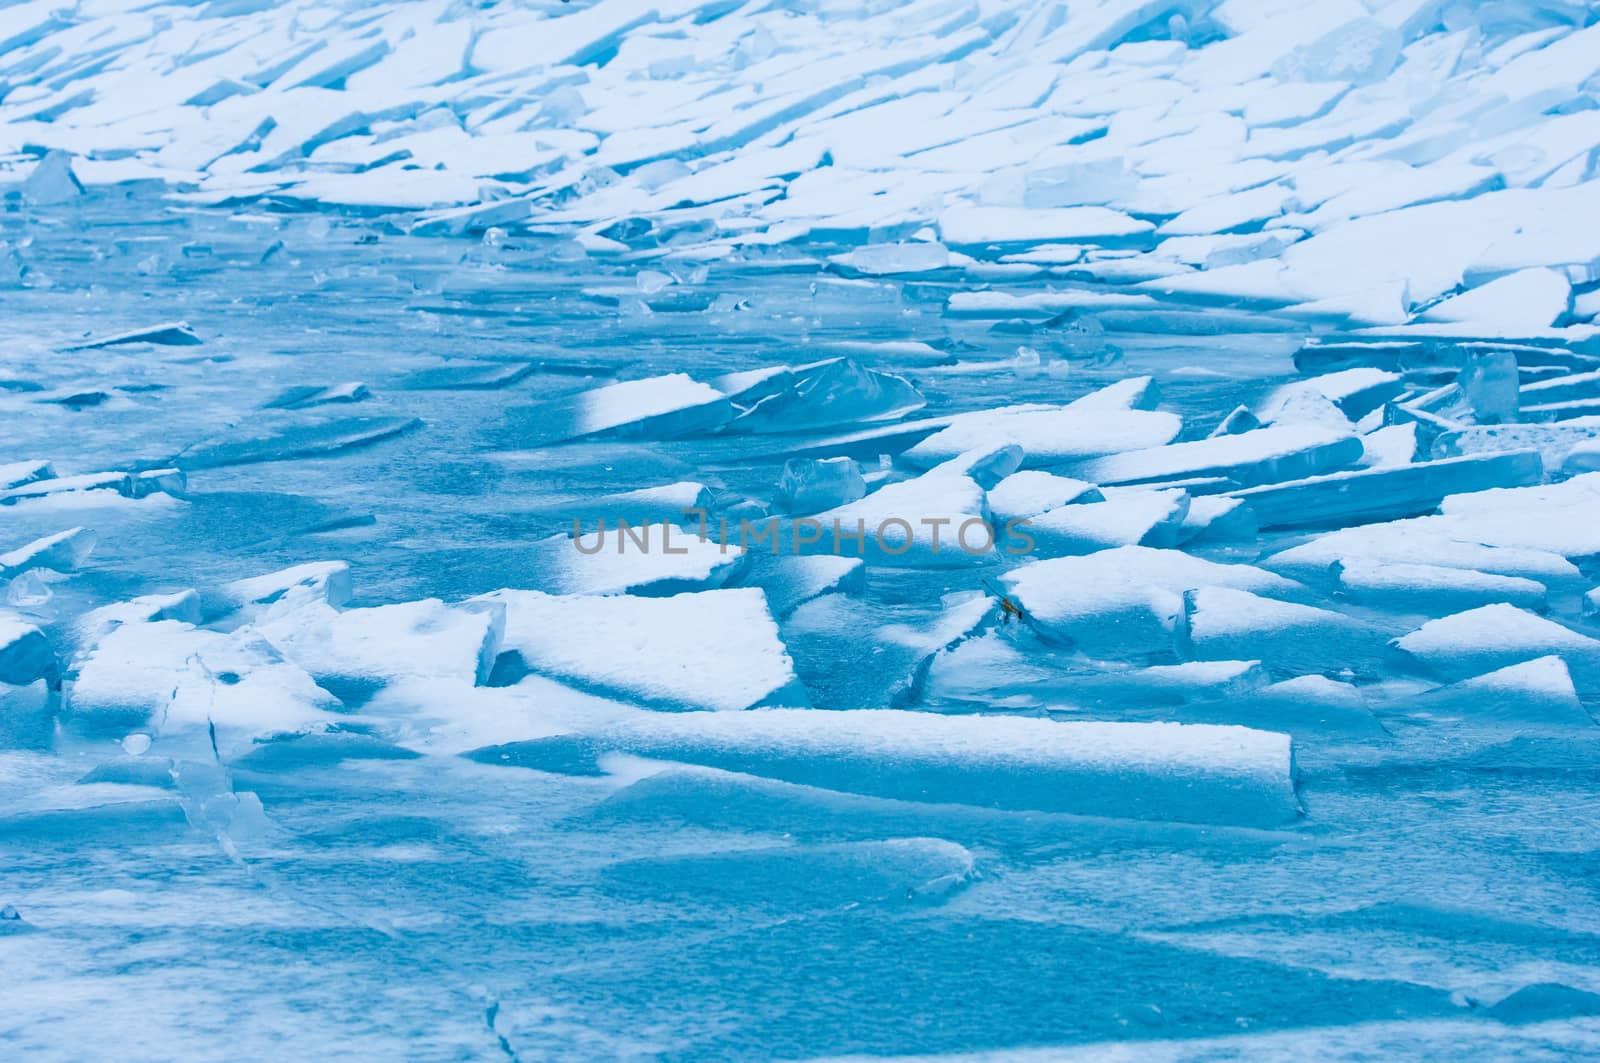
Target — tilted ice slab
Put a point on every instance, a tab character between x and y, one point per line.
125	484
1048	435
1305	705
986	466
1197	774
1524	531
1033	491
326	582
1539	692
789	581
292	441
937	520
656	407
62	552
1214	518
305	396
1364	495
716	649
17	473
827	394
1126	601
170	334
653	559
25	653
1222	623
1432	589
357	650
1493	636
93	626
676	503
1126	518
845	671
170	677
1356	391
1265	455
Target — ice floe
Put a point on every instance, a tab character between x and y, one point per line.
1141	771
715	649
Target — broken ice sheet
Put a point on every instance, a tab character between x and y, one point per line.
717	649
179	680
661	407
842	671
1138	771
1049	435
653	558
825	394
746	198
1128	601
172	334
290	441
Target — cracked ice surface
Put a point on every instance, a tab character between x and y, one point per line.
328	326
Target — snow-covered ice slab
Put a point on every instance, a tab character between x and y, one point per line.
325	582
654	559
170	334
1193	774
1432	589
172	678
1052	435
1534	694
128	485
1127	518
1305	706
674	503
1222	623
1494	636
1534	532
1265	455
17	473
1356	392
1034	491
1554	517
354	651
1554	442
1126	601
1366	495
716	649
937	520
62	552
654	408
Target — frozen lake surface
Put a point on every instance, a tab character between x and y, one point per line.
1123	491
363	890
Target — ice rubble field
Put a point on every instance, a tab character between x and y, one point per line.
320	737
